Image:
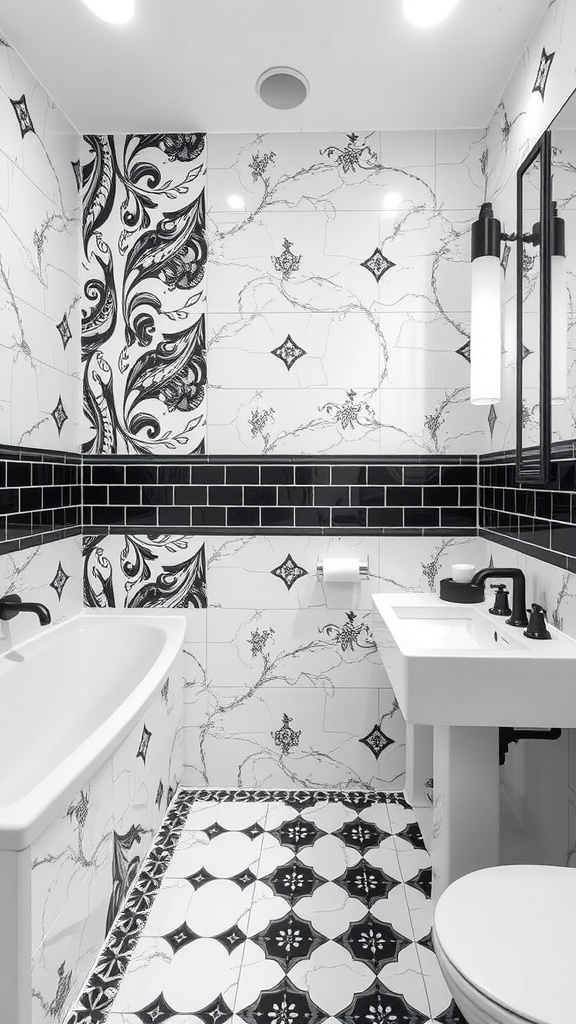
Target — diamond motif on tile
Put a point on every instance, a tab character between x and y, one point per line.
286	738
289	572
543	72
244	878
23	114
144	744
60	580
214	830
423	882
289	352
380	1006
231	939
374	942
293	880
413	835
59	415
287	262
180	937
297	834
451	1016
253	831
367	883
464	351
492	417
427	942
284	1004
215	1013
63	329
156	1012
289	940
361	835
376	741
377	264
200	878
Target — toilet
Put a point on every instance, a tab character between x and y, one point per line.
505	938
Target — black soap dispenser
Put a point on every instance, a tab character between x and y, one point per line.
537	629
501	605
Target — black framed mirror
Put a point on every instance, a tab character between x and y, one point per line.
533	313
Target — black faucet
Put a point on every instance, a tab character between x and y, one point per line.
518	617
11	605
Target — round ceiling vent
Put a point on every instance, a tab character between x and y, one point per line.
282	88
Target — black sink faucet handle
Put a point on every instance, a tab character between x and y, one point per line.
537	628
501	605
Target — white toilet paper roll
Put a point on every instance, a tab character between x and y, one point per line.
341	570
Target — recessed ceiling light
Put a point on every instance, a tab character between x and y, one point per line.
236	202
425	13
118	12
282	88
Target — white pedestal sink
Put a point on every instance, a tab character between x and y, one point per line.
466	672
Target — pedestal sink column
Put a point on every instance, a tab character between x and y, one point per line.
466	802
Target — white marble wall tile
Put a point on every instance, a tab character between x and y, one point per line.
72	851
50	395
30	573
310	648
460	170
194	662
271	422
39	262
343	171
425	350
61	963
340	351
429	421
237	742
240	571
321	268
344	422
420	274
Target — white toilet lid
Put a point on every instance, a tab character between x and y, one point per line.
511	931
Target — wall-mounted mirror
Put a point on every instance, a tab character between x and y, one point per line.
563	278
533	275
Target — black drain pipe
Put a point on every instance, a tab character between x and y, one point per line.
506	736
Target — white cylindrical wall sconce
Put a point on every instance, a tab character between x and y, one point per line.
486	317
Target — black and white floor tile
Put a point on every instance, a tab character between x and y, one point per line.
278	907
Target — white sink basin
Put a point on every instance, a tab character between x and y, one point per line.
455	664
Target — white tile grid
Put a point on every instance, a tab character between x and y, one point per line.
246	972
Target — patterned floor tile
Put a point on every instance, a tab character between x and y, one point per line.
332	977
404	977
279	908
439	996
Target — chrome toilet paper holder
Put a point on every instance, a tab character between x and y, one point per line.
364	568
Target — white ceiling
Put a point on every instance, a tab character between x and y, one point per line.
185	65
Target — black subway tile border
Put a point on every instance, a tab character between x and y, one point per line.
538	521
421	494
40	497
